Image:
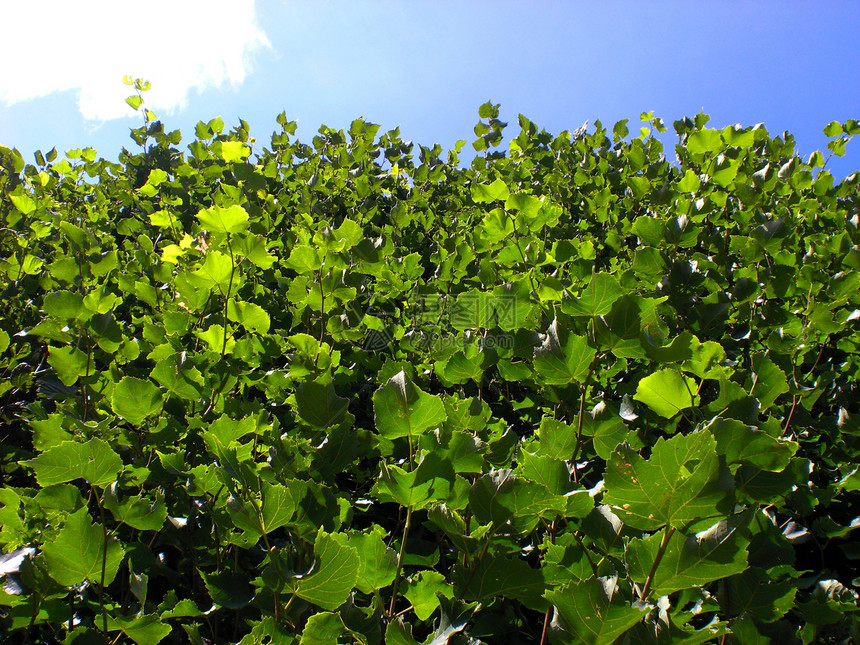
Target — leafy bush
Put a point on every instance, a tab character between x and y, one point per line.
332	392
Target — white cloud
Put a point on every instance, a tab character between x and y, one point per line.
89	45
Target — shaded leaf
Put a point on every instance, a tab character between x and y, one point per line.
319	405
594	611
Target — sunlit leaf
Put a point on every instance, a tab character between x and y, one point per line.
82	551
335	573
94	461
667	392
402	409
135	399
681	483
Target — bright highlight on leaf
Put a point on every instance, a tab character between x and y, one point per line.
667	392
233	219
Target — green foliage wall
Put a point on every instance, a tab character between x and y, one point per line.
352	391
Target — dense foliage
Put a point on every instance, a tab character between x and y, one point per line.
339	392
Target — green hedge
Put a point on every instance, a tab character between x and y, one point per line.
355	391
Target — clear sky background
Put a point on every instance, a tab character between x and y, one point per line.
425	66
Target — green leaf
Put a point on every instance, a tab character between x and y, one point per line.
704	141
303	259
756	594
832	129
324	628
681	484
707	360
47	433
335	573
399	632
496	226
138	512
231	151
225	431
378	562
594	611
680	349
421	590
596	300
691	561
501	576
65	304
528	205
253	247
563	358
402	409
430	482
741	443
215	272
550	473
557	439
26	205
252	317
94	461
143	630
178	377
667	392
689	183
135	399
473	309
485	193
230	590
512	305
649	229
319	405
233	219
70	363
767	381
279	506
465	452
77	553
134	102
500	496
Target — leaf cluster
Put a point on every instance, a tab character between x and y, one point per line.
354	390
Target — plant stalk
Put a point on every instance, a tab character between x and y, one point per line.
668	532
400	555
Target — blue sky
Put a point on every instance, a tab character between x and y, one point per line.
426	66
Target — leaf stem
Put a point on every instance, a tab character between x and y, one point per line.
400	555
104	566
583	394
668	532
548	616
322	317
227	297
